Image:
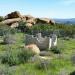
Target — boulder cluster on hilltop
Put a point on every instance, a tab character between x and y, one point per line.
12	19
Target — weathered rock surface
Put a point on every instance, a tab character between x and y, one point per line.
40	41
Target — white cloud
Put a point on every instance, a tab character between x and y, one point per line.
68	2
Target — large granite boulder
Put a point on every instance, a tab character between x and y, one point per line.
10	21
52	22
32	21
33	48
16	24
14	14
29	25
44	21
28	17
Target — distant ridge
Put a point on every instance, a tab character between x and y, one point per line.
66	21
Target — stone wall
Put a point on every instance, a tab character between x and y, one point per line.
41	42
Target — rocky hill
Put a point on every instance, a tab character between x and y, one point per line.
12	19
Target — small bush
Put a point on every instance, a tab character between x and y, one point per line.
43	65
3	70
55	50
1	18
5	29
22	27
73	73
15	57
9	39
66	38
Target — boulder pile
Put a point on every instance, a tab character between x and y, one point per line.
12	19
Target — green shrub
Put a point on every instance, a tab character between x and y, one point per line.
55	50
17	56
43	65
55	66
62	30
3	70
22	26
73	73
1	18
5	29
9	39
66	38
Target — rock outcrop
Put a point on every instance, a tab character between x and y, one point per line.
42	42
12	19
15	14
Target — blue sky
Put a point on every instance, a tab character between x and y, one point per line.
40	8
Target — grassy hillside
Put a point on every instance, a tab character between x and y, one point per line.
61	63
58	63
